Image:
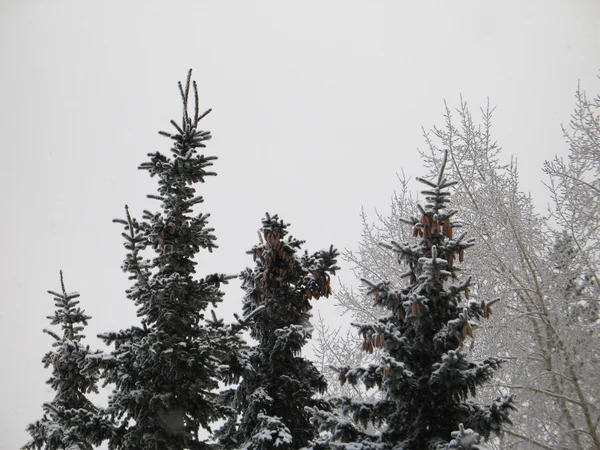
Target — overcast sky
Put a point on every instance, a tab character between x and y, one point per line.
316	107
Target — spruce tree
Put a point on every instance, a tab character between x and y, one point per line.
427	377
279	383
70	420
166	371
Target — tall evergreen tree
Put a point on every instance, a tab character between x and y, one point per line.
426	376
166	371
70	420
279	383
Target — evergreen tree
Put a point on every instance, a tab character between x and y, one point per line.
426	376
166	371
70	420
279	383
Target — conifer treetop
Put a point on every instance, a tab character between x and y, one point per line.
279	384
70	420
71	318
426	377
167	371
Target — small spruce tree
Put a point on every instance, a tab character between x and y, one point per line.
279	383
427	378
70	420
166	371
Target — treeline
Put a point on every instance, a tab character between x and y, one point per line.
430	275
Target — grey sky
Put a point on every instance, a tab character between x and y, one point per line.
316	106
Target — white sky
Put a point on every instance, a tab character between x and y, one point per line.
316	107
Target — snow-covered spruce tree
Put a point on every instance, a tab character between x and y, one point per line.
427	378
166	371
70	420
279	383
